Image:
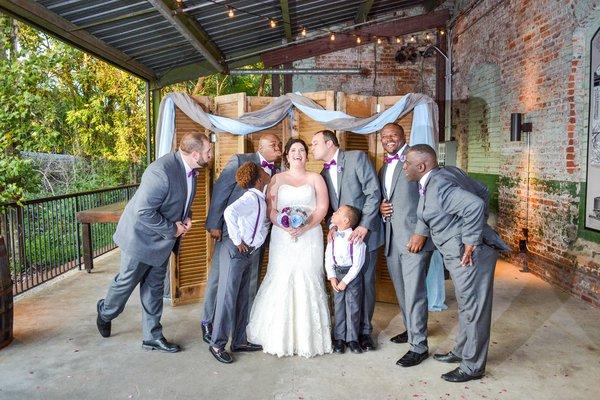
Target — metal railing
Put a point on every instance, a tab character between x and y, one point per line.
43	238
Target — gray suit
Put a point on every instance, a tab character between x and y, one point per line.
358	186
225	191
146	235
453	211
407	270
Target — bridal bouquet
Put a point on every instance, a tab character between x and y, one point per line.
292	217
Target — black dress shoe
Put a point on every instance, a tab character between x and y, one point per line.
103	326
458	375
246	347
339	346
400	338
206	331
354	347
449	357
366	342
221	355
411	359
161	345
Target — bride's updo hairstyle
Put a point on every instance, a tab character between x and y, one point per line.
287	148
247	175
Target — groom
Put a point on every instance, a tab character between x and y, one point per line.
351	179
226	191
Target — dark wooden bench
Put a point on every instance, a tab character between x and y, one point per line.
98	215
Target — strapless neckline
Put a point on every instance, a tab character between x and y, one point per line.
295	187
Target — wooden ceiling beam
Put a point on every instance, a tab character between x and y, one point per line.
347	39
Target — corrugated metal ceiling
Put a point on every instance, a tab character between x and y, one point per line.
138	30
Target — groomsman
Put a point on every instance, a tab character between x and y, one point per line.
149	229
226	191
453	211
351	179
407	269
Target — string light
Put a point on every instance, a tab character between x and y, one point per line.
273	23
332	37
397	40
358	40
230	13
413	38
442	32
378	40
303	32
428	36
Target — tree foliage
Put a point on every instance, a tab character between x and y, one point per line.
57	99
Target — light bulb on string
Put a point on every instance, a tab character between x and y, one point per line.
442	32
303	32
332	37
358	40
398	40
427	36
230	13
379	41
413	38
272	23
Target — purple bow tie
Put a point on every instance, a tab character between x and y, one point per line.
396	156
329	164
421	190
191	173
266	164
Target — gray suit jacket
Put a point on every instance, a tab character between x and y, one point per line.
453	205
146	229
404	196
226	190
358	187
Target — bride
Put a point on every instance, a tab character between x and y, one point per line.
290	314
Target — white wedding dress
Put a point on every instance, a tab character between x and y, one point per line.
290	314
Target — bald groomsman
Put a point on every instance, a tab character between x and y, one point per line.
225	191
407	256
452	210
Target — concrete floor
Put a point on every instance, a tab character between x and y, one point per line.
545	345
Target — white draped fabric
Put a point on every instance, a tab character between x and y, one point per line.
424	124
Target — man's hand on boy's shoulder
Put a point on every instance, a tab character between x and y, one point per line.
358	234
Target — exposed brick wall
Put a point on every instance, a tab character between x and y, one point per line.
537	55
387	78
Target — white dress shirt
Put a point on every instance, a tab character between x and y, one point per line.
424	179
389	172
267	169
342	255
189	183
333	174
240	217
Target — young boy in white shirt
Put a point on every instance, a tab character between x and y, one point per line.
248	227
343	261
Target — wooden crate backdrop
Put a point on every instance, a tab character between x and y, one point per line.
190	270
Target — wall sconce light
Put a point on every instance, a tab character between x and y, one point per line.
517	127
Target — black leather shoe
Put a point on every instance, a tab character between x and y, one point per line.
458	375
354	347
103	326
366	342
206	331
449	357
339	346
221	355
161	345
400	338
411	359
247	347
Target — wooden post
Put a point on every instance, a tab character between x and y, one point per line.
440	85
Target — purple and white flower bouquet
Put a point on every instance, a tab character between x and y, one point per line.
293	217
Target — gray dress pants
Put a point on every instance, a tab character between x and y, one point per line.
473	286
151	280
232	306
347	305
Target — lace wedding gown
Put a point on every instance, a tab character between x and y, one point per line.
290	314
